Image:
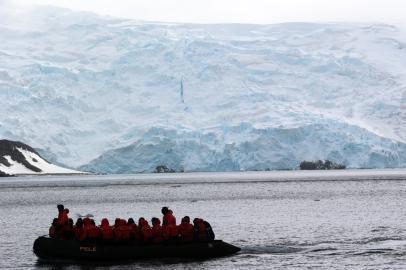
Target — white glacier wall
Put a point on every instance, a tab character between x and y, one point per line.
261	149
95	92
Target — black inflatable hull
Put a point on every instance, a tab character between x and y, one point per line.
48	248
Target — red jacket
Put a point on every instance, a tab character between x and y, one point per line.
122	232
134	232
63	217
79	232
171	231
186	232
90	230
157	233
146	231
106	230
168	219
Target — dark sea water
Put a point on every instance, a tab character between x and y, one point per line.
281	220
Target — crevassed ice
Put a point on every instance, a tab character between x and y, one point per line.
254	96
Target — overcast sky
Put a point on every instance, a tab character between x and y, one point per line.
241	11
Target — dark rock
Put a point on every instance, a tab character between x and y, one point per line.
4	161
9	148
321	165
163	169
2	174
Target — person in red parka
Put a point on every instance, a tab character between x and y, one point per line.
134	232
199	230
68	230
115	228
78	229
106	231
202	230
63	216
91	232
157	231
168	217
145	229
122	232
186	230
62	220
169	225
52	229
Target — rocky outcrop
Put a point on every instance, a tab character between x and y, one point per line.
17	158
10	148
163	169
2	174
321	165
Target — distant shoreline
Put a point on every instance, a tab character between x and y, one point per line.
298	170
47	174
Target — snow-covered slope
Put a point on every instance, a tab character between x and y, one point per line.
17	158
215	97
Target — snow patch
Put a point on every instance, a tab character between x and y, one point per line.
46	168
17	168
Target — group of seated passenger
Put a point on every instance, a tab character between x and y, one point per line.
127	231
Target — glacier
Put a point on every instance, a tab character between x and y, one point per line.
245	148
113	95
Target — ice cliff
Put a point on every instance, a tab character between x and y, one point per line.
116	95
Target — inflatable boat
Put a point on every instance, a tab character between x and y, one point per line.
49	248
